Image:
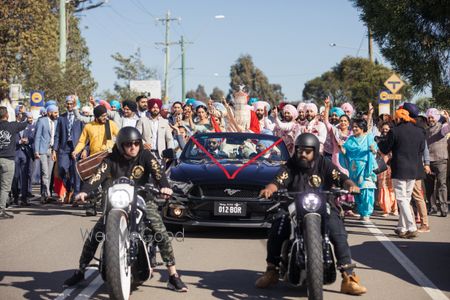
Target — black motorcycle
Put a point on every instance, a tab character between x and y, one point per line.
128	252
307	258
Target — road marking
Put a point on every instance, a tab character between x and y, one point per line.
67	292
90	290
429	287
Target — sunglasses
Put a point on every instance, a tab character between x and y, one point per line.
212	142
132	143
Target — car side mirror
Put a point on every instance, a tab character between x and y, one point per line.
168	154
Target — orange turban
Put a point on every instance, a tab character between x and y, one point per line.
403	114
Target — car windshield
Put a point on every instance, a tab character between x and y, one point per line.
235	147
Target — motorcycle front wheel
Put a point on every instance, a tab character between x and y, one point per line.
117	244
314	256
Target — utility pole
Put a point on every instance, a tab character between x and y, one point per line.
166	44
183	68
370	46
62	35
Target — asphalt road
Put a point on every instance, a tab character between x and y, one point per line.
40	248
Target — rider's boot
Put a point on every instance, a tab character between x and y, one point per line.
351	285
270	277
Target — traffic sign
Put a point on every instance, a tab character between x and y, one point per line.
394	83
37	98
384	96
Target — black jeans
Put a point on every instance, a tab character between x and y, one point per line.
281	229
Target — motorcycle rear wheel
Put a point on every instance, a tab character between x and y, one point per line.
314	256
117	243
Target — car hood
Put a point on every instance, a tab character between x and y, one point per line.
210	173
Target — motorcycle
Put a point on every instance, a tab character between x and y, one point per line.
128	252
307	258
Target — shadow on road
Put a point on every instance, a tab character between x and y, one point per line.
431	258
41	285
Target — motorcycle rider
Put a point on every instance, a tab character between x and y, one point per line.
307	163
130	159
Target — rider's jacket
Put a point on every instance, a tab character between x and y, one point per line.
322	175
142	169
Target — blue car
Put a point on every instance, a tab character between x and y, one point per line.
219	176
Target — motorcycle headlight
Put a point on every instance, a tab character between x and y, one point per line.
119	199
311	202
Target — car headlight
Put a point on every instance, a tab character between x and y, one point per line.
311	202
120	199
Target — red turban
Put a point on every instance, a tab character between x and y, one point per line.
153	101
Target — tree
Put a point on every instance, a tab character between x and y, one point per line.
245	73
198	94
130	68
424	103
414	36
217	94
29	53
356	80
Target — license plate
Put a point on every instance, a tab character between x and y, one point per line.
230	208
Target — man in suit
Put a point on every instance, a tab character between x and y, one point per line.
127	116
44	142
155	130
67	134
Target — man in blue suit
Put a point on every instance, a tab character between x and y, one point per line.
23	159
43	145
67	134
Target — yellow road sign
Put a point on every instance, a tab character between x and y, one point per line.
386	96
394	83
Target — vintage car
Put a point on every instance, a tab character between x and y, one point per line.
219	177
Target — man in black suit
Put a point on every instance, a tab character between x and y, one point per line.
67	134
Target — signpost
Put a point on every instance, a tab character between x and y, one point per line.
36	98
394	84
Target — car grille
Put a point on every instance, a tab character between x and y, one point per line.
227	191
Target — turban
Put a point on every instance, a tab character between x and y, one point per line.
190	101
50	102
105	104
347	106
433	112
197	104
70	98
115	103
166	107
17	110
258	105
252	100
403	114
292	110
301	106
99	110
42	110
132	105
338	111
153	101
86	109
52	108
412	109
29	114
311	106
322	109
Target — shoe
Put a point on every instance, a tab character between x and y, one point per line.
411	234
443	214
432	211
395	213
400	234
424	228
43	200
24	203
68	198
176	284
30	195
270	277
351	285
5	215
76	278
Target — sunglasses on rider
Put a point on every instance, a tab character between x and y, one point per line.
132	143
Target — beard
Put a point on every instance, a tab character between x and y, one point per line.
288	119
310	118
154	114
260	116
303	164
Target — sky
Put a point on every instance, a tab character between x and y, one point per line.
289	40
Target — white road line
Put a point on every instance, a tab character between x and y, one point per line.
90	290
417	275
67	292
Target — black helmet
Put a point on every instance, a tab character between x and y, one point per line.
125	135
308	140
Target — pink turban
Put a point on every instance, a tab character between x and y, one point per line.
301	106
347	107
311	106
292	110
153	101
259	105
433	112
